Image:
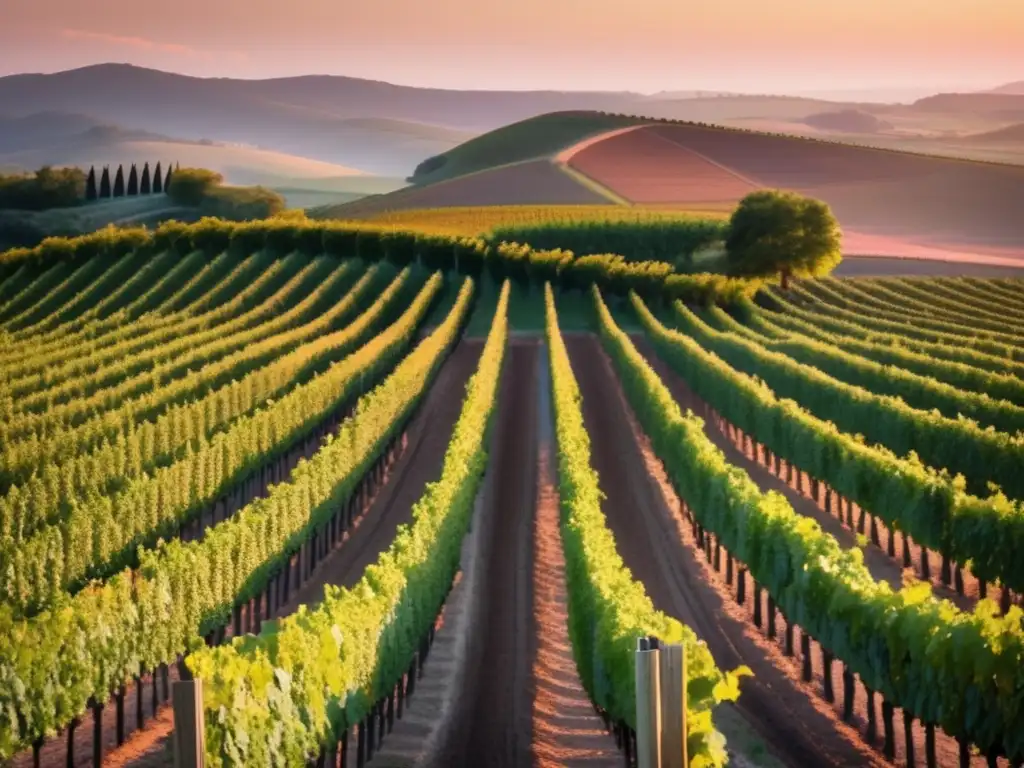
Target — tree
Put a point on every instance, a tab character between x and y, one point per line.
90	185
133	181
119	182
46	188
167	181
189	186
775	233
144	185
105	183
158	179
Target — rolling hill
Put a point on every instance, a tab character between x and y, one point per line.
71	139
389	130
1016	88
335	120
888	202
525	140
1010	134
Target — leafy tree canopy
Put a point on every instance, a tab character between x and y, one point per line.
775	233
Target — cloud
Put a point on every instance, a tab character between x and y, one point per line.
146	44
139	43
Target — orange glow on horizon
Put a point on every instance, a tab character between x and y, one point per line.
644	45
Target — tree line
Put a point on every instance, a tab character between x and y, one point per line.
145	184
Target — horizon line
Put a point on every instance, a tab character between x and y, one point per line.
706	92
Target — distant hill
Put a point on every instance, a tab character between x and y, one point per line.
373	126
239	165
848	121
1000	104
1009	134
389	130
528	139
71	139
1011	88
335	119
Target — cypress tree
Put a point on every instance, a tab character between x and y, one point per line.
158	179
144	186
133	181
119	182
105	183
167	181
90	185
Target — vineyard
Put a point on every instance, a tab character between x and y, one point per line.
410	498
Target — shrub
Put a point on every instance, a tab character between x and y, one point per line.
189	186
46	188
237	203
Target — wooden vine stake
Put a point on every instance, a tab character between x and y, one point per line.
648	703
189	733
673	707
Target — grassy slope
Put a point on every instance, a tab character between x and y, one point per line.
525	140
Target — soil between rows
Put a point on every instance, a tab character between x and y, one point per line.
800	729
493	711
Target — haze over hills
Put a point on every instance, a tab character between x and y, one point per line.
1011	88
388	130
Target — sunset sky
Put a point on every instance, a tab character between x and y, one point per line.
642	45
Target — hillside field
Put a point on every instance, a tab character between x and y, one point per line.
377	461
890	203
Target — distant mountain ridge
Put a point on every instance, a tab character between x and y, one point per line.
388	130
316	117
1016	88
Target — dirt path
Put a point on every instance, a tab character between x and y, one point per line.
800	729
427	437
876	560
500	687
494	709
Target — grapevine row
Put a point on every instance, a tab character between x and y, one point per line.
147	393
959	301
141	305
59	434
960	446
376	625
823	299
999	386
921	392
905	494
31	293
83	303
82	649
100	535
608	609
145	447
142	325
120	362
914	302
75	283
111	316
837	321
869	296
956	670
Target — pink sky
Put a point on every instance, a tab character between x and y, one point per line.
643	45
